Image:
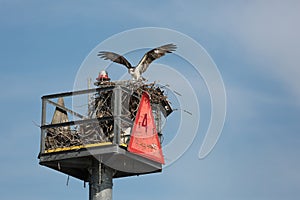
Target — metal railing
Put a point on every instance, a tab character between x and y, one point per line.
76	130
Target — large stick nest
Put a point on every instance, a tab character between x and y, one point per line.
101	106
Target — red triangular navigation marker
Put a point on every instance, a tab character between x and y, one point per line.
144	139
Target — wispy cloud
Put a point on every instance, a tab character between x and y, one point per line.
268	31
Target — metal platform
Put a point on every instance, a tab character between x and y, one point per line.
77	162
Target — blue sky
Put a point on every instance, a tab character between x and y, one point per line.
255	45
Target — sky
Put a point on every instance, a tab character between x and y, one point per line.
254	44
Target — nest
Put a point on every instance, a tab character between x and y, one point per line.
101	107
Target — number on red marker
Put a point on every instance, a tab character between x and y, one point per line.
144	122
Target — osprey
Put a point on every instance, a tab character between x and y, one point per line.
136	72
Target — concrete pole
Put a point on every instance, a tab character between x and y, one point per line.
100	186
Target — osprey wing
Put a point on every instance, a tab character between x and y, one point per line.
115	58
153	54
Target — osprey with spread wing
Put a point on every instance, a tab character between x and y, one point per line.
148	58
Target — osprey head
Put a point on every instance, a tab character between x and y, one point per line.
131	71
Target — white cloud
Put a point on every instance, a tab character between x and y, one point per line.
271	32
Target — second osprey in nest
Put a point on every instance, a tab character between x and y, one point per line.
136	72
